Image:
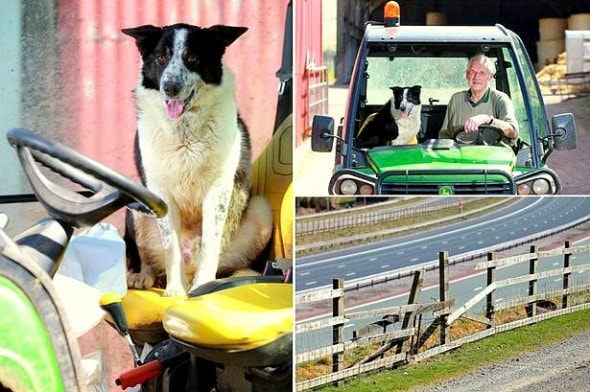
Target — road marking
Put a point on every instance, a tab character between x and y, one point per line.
470	228
351	274
477	288
385	266
415	259
310	283
305	273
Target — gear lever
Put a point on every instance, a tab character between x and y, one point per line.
113	305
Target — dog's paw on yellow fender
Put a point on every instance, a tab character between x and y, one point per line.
174	291
140	281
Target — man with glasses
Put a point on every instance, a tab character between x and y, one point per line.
480	105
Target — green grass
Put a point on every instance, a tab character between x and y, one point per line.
470	357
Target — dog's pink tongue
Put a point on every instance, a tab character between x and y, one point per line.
174	107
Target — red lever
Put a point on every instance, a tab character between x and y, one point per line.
140	374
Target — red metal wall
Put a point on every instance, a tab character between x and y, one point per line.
100	65
308	54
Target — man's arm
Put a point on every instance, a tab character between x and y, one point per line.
504	117
506	127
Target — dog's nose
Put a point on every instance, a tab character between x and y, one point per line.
171	88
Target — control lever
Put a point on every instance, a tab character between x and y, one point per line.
432	101
113	305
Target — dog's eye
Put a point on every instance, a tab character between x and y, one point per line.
161	58
192	59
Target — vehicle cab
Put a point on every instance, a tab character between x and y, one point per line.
435	57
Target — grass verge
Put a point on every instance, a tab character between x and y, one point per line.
472	356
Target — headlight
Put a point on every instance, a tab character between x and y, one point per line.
351	182
524	189
538	183
366	189
541	187
348	187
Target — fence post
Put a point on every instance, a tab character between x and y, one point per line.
491	277
338	329
443	286
413	298
531	308
565	299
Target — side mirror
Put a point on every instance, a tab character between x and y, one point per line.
322	133
563	131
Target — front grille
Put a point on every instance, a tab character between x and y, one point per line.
465	182
457	189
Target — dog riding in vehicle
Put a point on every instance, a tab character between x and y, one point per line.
435	58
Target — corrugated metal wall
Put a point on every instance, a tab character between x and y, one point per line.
99	66
308	55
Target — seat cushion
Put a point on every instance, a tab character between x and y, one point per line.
239	318
145	308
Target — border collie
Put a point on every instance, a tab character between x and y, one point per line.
193	150
396	123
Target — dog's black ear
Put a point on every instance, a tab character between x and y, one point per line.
396	89
416	89
146	37
227	34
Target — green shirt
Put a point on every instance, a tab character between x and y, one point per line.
494	103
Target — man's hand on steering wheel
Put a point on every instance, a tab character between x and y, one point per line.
485	135
472	124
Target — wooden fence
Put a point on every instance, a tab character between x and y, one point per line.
407	343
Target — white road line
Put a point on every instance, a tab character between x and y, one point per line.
462	229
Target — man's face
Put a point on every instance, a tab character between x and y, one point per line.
478	77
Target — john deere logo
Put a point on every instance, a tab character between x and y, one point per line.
445	190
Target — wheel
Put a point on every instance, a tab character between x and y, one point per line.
105	190
486	135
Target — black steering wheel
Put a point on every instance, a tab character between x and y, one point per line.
105	189
486	135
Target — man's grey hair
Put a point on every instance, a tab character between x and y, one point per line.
482	59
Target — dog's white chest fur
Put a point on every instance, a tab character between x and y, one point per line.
204	144
408	126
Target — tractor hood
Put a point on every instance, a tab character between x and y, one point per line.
441	155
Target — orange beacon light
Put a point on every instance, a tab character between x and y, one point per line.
391	14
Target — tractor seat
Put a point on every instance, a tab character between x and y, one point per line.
144	310
248	322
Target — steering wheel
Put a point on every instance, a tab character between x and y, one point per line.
105	189
486	135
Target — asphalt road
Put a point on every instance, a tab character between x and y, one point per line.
526	217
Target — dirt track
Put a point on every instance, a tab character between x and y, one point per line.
561	366
572	165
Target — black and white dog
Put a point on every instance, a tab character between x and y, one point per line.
193	150
396	123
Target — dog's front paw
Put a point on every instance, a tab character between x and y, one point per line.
140	281
199	281
174	291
